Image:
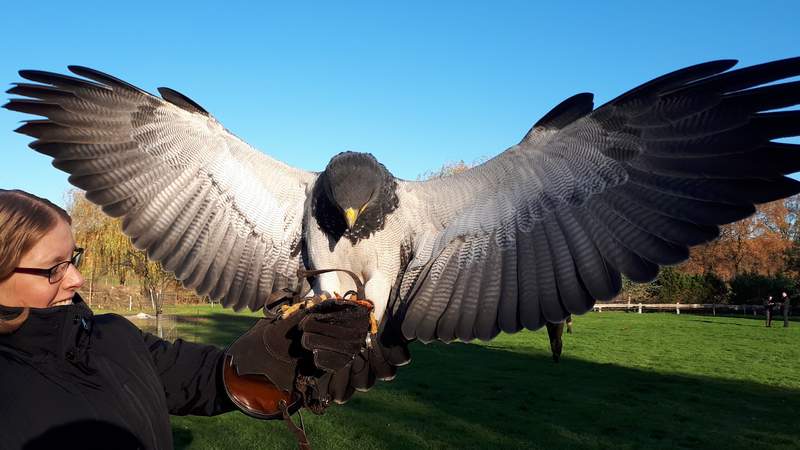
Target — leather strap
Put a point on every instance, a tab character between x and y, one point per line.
299	432
301	273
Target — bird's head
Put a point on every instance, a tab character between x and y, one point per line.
353	196
354	183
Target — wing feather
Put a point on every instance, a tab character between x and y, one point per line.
486	327
448	320
569	287
509	296
471	298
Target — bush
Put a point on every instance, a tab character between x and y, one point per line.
717	290
753	288
674	286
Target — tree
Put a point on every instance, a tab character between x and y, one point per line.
451	168
633	292
757	244
108	249
153	280
754	288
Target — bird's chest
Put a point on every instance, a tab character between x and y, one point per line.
363	257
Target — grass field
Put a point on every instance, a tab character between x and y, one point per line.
625	381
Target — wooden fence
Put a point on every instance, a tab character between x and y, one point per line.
711	308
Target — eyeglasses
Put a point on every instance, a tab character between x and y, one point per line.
55	273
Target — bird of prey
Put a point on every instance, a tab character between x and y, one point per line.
542	230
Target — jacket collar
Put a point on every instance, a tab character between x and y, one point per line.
60	331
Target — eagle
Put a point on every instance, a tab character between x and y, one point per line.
543	230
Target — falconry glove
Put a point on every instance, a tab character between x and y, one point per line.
277	365
334	331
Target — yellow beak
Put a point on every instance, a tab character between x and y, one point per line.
350	215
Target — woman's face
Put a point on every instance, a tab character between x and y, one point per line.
35	291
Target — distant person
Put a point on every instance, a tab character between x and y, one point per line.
768	305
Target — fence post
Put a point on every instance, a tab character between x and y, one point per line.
130	303
678	309
640	308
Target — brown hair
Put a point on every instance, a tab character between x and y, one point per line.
24	219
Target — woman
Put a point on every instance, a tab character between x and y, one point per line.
68	377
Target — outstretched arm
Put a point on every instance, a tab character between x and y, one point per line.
191	375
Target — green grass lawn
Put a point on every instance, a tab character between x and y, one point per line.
625	381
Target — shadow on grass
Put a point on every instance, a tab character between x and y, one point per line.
473	396
752	321
751	324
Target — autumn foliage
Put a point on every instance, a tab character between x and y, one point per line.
758	244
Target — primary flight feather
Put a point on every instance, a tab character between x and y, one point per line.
539	232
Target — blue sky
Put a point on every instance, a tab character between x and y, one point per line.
417	84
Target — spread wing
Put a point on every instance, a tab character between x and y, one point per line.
224	217
546	227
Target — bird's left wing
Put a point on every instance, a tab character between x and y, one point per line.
546	227
224	217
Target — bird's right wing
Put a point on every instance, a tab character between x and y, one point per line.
224	217
547	227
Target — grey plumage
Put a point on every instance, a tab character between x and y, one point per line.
539	232
589	194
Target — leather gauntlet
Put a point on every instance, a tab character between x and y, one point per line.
285	361
261	366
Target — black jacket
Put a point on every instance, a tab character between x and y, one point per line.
69	379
